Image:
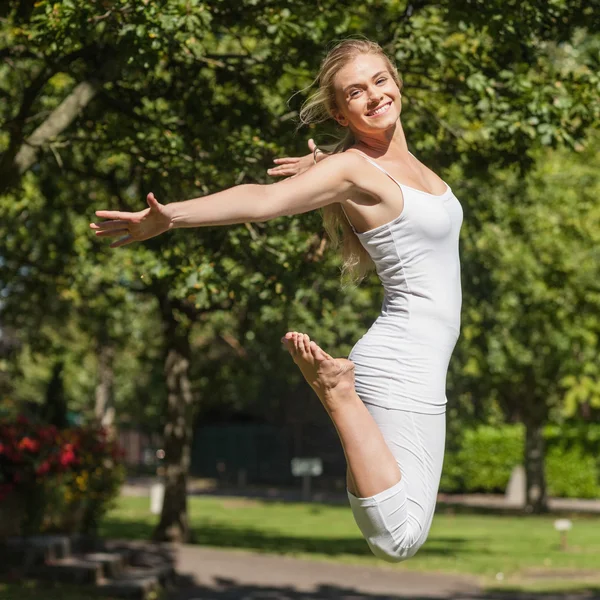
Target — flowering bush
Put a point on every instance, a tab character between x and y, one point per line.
65	479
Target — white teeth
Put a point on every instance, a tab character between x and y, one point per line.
380	110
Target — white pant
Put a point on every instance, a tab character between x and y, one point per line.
396	521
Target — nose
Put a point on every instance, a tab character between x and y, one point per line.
375	95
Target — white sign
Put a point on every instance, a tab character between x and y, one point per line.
562	525
307	466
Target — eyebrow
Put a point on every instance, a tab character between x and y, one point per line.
385	72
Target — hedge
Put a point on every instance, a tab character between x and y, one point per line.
485	457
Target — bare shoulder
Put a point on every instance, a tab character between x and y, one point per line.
351	160
347	164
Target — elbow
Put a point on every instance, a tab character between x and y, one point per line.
267	205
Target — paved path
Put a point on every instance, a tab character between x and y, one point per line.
211	574
230	575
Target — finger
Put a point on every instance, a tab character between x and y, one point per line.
152	201
111	232
284	167
285	173
109	225
286	160
296	341
282	170
311	145
115	214
122	242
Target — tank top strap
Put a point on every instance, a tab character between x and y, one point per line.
368	159
347	218
375	164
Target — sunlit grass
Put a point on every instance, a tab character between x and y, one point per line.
504	549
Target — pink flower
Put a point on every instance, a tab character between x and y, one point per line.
67	456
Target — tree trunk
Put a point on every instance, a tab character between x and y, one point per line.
55	406
177	438
104	409
536	499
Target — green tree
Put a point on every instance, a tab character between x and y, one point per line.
530	341
187	98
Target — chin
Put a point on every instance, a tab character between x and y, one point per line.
382	123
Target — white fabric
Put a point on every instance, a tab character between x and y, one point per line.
402	361
396	522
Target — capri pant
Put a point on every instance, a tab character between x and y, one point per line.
396	521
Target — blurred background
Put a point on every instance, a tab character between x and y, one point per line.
161	362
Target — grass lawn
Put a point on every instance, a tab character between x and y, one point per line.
523	549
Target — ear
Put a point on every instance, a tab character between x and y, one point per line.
339	117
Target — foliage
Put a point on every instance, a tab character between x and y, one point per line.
66	478
572	474
486	456
187	98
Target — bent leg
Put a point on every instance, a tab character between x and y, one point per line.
394	457
396	522
372	467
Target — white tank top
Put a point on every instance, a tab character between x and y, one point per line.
402	361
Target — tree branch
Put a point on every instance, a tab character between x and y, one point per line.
60	118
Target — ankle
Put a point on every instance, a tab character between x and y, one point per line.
342	397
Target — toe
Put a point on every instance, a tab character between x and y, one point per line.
289	342
318	353
305	346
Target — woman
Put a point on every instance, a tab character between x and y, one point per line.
388	402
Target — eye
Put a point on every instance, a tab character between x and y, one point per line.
381	79
354	93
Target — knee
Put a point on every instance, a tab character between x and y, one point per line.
398	545
392	551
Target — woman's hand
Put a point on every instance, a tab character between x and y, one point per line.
290	166
133	227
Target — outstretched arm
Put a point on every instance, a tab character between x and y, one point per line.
328	182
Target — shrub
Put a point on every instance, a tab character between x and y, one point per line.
66	479
571	474
487	455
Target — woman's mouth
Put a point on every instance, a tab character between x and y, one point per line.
379	110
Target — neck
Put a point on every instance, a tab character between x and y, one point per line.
391	141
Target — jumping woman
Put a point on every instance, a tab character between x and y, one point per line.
387	401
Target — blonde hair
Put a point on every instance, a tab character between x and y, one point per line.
321	106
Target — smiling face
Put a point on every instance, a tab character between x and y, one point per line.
366	96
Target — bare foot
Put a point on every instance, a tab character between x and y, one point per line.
326	375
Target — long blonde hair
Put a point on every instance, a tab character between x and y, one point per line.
321	106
